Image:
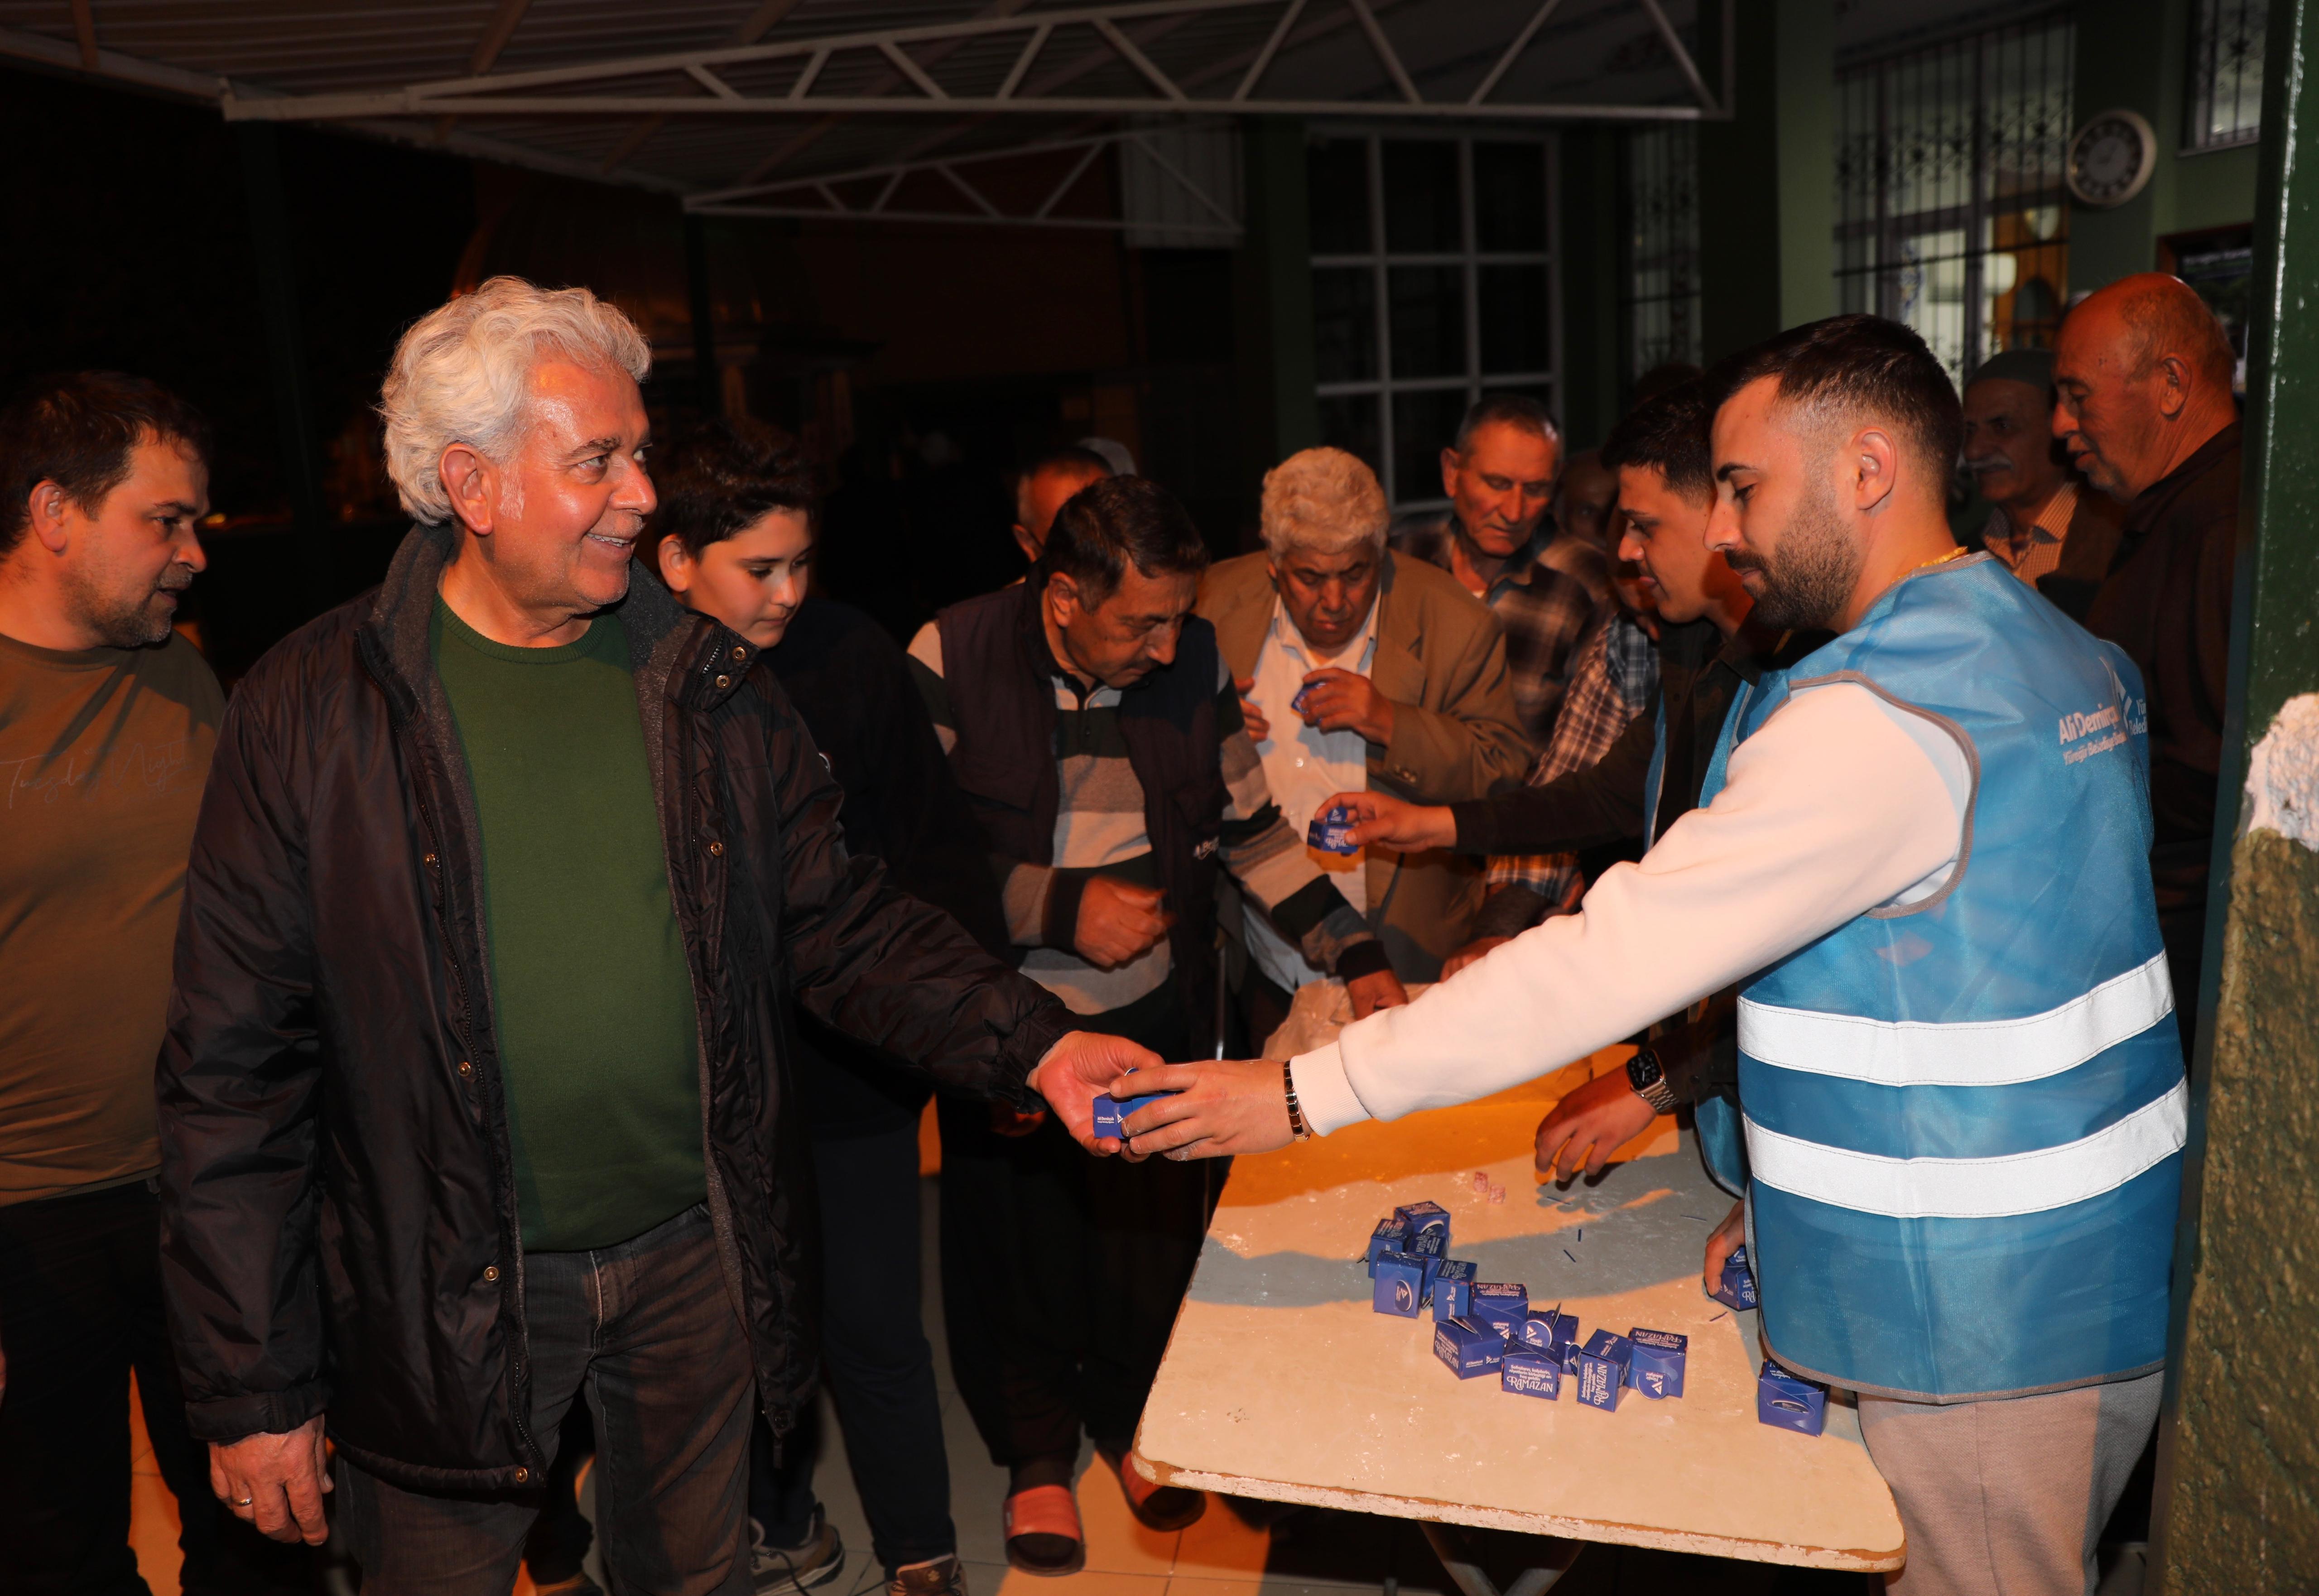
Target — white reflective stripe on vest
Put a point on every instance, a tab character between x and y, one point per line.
1971	1053
1973	1188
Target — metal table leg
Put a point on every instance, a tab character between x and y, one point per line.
1547	1561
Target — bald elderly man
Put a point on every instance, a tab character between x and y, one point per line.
2143	376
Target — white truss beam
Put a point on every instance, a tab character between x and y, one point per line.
916	54
787	198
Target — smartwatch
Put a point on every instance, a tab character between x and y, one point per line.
1648	1077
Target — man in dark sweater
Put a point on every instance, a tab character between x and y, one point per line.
734	538
2145	409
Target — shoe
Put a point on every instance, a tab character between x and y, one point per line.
946	1576
1163	1508
1043	1534
783	1571
579	1585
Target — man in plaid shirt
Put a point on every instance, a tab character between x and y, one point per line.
1550	588
1615	682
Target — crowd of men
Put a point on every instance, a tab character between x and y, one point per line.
548	956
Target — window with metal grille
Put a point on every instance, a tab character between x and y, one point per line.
1659	197
2223	106
1952	214
1433	282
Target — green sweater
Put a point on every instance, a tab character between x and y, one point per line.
599	1047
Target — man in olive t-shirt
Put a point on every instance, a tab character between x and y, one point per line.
591	991
107	722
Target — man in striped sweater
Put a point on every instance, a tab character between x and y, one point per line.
1096	734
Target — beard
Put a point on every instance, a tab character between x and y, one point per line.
129	620
1806	584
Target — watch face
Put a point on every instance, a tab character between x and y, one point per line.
2109	159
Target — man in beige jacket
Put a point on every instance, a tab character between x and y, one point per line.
1360	670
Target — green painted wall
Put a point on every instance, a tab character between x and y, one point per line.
2130	54
1593	263
2238	1478
1767	178
1273	296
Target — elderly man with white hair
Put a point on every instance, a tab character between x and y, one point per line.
508	881
1359	668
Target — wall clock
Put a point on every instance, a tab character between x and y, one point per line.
2111	158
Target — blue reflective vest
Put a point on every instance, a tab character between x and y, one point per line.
1964	1114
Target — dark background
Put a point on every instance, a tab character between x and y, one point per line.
917	366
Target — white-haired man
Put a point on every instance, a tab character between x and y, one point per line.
1356	669
506	880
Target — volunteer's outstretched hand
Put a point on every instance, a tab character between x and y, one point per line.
1394	823
1222	1107
1079	1068
1590	1125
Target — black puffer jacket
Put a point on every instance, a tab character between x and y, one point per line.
339	1223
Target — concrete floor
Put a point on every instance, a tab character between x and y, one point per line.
1220	1556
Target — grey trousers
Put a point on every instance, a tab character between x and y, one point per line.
2005	1498
646	1331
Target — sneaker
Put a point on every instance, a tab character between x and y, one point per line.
946	1576
783	1571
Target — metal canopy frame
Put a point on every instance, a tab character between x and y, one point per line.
593	88
940	95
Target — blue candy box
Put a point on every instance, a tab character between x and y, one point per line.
1737	1289
1503	1307
1391	1236
1788	1401
1327	832
1531	1374
1399	1286
1110	1114
1469	1348
1603	1369
1655	1366
1453	1288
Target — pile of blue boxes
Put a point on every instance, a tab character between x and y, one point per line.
1484	1327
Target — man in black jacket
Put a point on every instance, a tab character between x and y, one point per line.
502	896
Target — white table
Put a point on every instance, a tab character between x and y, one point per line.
1281	1383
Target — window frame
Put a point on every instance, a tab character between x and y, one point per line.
1379	259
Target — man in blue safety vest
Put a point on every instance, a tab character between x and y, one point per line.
1924	858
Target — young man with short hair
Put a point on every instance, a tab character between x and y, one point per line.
107	721
1964	1116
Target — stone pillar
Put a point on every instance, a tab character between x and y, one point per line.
1767	178
2238	1477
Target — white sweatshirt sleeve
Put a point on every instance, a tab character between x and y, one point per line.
1842	802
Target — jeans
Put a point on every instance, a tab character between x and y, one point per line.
874	1355
646	1331
1062	1273
80	1306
